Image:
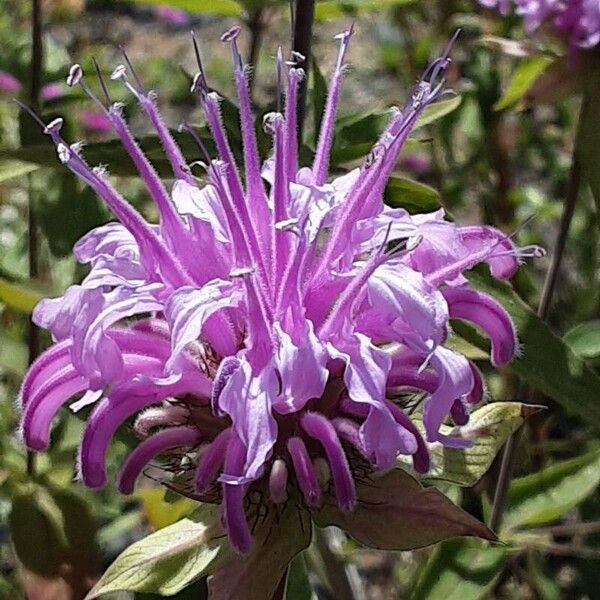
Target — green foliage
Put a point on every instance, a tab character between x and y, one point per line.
460	569
170	559
584	339
402	192
544	497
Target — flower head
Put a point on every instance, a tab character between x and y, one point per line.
578	20
265	332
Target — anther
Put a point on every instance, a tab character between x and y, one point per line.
75	75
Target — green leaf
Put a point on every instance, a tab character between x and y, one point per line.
395	512
460	569
36	528
298	586
402	192
13	355
437	110
9	169
170	559
584	339
546	496
18	296
334	9
546	363
523	77
224	8
489	427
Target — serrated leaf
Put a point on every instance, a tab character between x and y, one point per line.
489	427
546	496
584	339
460	570
170	559
546	362
402	192
524	76
395	512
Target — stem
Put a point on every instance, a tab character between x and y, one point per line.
568	529
36	66
508	457
303	24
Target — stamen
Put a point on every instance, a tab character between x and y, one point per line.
75	75
212	461
102	82
305	472
278	479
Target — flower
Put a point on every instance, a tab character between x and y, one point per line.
578	20
95	121
264	334
11	85
171	15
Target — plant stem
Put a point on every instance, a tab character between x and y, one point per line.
303	25
508	457
36	66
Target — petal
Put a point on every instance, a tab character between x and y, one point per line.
487	313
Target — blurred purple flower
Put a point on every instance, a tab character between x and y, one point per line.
171	15
416	163
9	83
578	20
95	121
266	330
52	91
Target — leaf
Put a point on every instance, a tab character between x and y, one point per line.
395	512
334	9
523	78
546	496
170	559
161	513
489	427
460	569
402	192
434	112
17	296
584	339
224	8
13	355
35	517
298	586
278	538
546	363
9	169
518	49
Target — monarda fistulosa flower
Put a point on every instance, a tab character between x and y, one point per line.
265	334
577	20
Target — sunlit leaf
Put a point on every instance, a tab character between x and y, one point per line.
225	8
395	512
170	559
488	428
18	296
523	77
161	513
546	496
334	9
460	569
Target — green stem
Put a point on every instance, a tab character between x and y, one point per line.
527	394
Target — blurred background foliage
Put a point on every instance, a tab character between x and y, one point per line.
498	152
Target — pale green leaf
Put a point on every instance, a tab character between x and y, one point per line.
546	496
584	339
10	169
488	428
460	569
437	110
18	296
170	559
335	9
523	77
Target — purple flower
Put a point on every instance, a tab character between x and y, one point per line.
95	121
9	83
171	15
266	329
578	20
